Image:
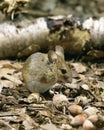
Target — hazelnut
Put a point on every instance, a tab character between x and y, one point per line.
78	120
87	125
75	109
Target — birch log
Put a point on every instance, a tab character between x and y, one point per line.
74	35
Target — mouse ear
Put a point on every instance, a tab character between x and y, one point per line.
52	56
59	51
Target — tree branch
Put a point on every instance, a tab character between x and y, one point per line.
75	35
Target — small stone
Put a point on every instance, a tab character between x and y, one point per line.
34	97
59	98
91	111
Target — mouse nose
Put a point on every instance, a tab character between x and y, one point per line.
69	80
69	77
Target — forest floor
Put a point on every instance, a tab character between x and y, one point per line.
21	110
75	106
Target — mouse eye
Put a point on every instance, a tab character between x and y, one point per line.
63	71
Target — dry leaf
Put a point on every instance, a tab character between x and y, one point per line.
45	113
79	67
9	74
28	122
49	127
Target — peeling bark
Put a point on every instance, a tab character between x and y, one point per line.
16	36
